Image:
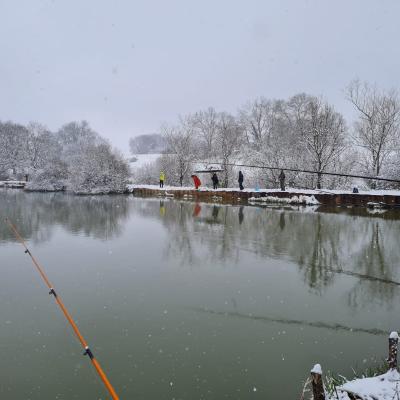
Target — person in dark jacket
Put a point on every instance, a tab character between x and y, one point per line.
240	180
215	180
282	180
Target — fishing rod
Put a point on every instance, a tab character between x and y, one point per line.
67	315
299	170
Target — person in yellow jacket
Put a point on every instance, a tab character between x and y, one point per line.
162	179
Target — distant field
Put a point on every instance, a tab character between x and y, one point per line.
143	159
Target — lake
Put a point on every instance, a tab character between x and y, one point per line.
182	300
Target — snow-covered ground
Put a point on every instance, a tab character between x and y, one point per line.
142	160
382	387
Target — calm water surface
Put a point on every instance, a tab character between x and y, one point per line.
191	301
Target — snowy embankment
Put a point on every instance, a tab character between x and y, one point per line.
308	192
385	386
371	199
301	199
13	184
382	387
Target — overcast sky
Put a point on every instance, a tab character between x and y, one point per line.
127	66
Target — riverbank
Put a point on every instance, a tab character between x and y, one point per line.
13	184
372	199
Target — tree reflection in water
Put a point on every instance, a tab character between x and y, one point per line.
36	214
325	246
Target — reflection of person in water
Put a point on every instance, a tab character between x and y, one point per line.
241	215
196	210
282	178
282	221
215	212
162	208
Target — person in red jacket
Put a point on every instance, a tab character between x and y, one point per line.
196	181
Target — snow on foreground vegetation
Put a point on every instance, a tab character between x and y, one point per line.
382	387
75	158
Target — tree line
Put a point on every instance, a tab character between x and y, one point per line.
303	132
74	158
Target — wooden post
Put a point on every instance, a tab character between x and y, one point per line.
393	341
317	385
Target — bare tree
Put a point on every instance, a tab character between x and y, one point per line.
278	143
322	132
377	128
257	119
229	140
180	145
206	124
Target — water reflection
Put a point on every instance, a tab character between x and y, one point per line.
241	215
375	258
326	246
36	214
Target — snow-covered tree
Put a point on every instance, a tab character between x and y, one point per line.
180	147
52	177
41	146
229	141
75	158
13	142
276	140
257	119
206	129
322	132
378	126
98	170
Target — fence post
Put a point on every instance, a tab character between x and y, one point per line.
393	341
317	385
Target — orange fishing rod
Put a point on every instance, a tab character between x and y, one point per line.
67	315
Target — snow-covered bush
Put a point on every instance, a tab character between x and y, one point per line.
98	170
53	177
78	159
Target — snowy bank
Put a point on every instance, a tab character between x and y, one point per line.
274	190
385	199
13	184
301	199
382	387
